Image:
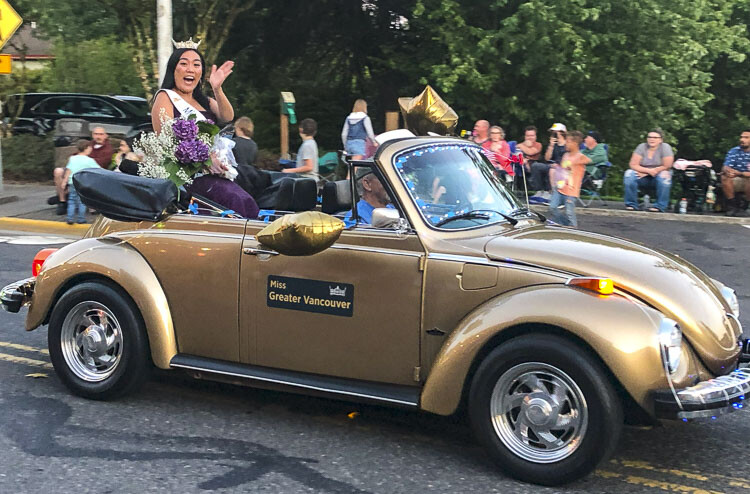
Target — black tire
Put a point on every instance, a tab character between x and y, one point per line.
544	363
87	363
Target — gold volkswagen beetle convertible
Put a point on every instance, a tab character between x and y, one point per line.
421	283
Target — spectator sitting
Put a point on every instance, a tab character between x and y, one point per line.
594	150
76	163
101	153
245	149
735	175
540	171
124	152
499	150
372	195
567	184
650	166
480	136
530	147
307	154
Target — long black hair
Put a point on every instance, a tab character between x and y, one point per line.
169	83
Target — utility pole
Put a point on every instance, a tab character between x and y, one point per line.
163	34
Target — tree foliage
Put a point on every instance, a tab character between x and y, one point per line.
619	67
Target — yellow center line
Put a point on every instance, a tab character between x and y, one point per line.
652	483
703	477
25	348
25	361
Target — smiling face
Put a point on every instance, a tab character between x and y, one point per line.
187	74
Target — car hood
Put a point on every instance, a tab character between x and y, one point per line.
666	282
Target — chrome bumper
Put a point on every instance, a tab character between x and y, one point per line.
707	399
18	294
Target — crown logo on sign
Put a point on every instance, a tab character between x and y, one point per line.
186	44
338	291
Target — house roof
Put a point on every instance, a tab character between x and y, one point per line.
29	39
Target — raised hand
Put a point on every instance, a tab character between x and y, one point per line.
218	76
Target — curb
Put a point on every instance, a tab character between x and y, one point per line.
687	218
42	226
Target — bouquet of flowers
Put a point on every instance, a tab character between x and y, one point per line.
184	147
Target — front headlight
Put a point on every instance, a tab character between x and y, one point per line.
670	343
731	297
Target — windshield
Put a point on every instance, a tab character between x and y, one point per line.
454	186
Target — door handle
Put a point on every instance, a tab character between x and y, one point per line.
254	251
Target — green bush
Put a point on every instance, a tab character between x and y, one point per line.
27	157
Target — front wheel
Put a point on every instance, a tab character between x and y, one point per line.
544	409
97	342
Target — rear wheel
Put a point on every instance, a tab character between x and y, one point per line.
544	409
97	342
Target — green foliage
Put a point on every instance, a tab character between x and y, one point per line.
26	157
102	66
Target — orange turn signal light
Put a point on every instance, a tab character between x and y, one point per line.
602	286
39	258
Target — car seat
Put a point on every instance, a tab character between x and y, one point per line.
336	197
290	194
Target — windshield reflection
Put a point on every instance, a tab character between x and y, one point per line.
452	180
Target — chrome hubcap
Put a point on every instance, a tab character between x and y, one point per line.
91	341
538	412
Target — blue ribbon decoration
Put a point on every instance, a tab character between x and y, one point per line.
227	212
193	208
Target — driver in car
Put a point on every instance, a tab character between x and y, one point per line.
372	195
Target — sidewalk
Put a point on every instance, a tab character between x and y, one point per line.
23	207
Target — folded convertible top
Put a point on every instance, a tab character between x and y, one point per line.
124	197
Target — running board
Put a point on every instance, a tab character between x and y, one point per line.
336	387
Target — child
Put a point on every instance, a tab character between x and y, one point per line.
566	181
307	155
76	163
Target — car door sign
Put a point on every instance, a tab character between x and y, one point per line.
323	297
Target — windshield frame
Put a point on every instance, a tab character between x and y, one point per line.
399	158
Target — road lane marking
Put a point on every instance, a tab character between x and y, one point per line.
652	483
25	348
714	478
25	361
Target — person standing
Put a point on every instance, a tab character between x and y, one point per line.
650	167
307	154
735	175
567	177
76	163
357	129
245	149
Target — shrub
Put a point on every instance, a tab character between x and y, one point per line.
27	157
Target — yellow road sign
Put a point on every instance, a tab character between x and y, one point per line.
4	64
9	22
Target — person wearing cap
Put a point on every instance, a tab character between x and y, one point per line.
372	195
594	150
650	168
539	175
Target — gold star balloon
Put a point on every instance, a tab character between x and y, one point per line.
428	113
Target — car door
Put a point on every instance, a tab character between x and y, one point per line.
351	311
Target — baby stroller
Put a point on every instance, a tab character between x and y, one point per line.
695	178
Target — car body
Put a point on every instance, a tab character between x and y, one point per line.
548	335
36	113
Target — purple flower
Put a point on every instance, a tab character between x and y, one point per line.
192	151
185	129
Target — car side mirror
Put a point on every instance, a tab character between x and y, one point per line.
388	218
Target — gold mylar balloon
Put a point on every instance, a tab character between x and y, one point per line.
301	234
428	113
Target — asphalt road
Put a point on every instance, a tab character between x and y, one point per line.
179	435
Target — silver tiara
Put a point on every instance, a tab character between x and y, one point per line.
186	44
